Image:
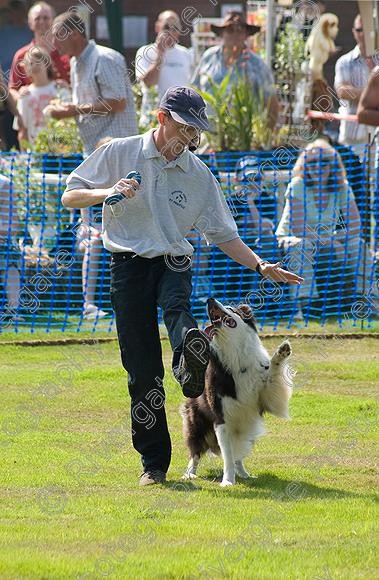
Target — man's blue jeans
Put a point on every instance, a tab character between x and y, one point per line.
138	287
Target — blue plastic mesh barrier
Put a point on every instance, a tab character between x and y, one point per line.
51	262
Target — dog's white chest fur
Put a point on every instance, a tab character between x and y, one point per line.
245	358
248	362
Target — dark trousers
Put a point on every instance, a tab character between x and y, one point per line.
138	286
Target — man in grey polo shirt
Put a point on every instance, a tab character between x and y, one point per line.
102	95
145	228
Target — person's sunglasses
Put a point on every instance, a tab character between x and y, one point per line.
189	130
169	27
318	169
319	165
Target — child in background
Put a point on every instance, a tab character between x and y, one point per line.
10	255
91	246
37	96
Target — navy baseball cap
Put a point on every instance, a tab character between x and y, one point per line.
185	106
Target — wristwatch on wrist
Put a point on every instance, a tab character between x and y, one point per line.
258	267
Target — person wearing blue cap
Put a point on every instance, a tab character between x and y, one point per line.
145	229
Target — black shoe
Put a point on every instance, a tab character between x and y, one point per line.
152	477
196	357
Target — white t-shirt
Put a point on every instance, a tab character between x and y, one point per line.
175	71
33	103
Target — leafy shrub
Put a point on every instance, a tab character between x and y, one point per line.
60	137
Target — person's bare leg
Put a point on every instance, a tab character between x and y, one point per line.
12	287
90	268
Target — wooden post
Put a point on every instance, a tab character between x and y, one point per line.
366	10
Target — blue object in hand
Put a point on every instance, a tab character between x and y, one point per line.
116	197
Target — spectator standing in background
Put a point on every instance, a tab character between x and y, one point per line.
40	19
103	106
14	34
352	73
10	254
90	244
234	57
7	107
368	113
102	98
163	64
368	106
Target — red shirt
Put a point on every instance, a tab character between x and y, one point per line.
18	76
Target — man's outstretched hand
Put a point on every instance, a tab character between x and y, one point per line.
275	273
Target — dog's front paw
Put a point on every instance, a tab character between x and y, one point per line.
283	352
226	483
285	349
189	475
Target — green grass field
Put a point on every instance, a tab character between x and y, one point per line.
309	514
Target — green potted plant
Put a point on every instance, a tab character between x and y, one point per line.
288	61
238	115
218	99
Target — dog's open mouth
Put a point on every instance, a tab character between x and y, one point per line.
218	316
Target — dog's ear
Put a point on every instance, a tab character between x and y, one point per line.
325	28
245	312
247	315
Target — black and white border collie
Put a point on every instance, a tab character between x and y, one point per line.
241	384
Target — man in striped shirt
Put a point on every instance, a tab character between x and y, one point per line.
103	103
103	107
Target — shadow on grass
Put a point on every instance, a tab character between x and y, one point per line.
264	486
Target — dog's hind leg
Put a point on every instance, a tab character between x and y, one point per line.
240	469
195	429
224	441
190	472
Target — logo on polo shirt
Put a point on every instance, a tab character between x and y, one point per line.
178	198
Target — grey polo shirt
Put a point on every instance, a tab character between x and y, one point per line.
100	73
174	198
